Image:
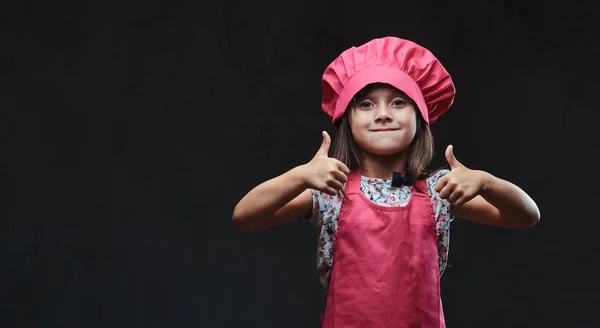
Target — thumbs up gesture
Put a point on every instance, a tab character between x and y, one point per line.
324	173
461	184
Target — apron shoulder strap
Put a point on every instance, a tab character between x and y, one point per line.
421	187
353	183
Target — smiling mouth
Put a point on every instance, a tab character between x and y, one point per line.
381	130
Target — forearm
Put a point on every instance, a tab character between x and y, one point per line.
516	207
261	203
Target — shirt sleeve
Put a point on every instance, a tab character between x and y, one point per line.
318	207
441	209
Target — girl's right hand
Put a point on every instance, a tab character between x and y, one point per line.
325	173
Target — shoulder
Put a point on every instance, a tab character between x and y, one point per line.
441	207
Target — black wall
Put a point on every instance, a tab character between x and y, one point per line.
132	128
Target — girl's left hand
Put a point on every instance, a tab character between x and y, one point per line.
461	184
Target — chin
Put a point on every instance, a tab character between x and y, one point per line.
383	146
385	151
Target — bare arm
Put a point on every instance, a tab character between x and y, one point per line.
288	196
480	197
275	201
500	203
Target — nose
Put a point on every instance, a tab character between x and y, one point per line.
383	115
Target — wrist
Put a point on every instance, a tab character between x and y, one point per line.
298	175
487	181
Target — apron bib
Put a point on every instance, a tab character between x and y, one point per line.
385	270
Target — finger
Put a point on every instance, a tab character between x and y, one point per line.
466	197
441	183
454	163
340	176
342	167
461	201
456	195
446	191
335	185
330	191
324	149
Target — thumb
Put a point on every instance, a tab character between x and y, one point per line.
324	150
454	163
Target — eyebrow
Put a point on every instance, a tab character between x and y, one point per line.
392	95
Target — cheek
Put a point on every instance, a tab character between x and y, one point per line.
359	122
413	126
408	120
358	129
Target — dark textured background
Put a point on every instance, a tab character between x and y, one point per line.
132	128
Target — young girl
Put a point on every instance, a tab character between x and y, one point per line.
382	218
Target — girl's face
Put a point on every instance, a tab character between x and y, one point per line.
384	121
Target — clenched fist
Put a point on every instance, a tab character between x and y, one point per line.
324	173
461	184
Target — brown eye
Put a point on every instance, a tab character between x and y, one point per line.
399	103
365	104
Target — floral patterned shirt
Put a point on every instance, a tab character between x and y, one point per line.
326	209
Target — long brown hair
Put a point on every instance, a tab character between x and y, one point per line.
420	152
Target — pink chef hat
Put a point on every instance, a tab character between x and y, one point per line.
398	62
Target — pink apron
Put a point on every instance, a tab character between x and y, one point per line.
385	267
